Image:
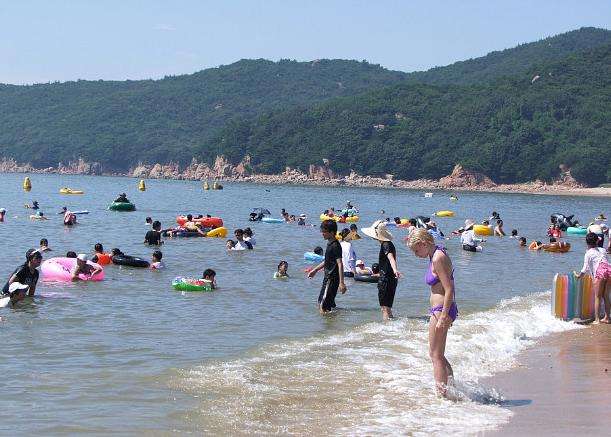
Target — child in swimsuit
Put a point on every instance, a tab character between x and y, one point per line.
440	277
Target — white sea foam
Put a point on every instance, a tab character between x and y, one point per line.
377	378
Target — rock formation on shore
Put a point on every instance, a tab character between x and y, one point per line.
222	169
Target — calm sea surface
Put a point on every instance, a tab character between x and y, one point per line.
130	355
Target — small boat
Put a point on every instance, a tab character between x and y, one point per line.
428	195
217	186
206	185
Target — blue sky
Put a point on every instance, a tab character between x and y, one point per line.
59	40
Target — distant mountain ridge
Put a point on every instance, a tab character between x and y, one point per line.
512	130
514	61
216	111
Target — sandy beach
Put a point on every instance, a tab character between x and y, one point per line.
562	385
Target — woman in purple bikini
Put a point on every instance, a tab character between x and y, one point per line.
444	311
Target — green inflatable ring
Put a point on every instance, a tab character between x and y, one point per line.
190	284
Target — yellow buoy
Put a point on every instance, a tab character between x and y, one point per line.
141	185
27	184
206	186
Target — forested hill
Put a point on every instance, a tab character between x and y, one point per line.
295	113
512	130
121	123
515	61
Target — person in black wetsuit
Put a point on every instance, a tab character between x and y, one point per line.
333	267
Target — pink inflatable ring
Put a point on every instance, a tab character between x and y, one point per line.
60	268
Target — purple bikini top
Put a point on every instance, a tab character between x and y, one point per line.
429	277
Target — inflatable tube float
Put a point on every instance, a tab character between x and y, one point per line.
183	233
206	222
339	219
482	230
272	220
444	214
366	278
131	261
571	230
558	249
313	257
572	297
80	212
59	269
27	184
191	284
122	206
66	190
217	233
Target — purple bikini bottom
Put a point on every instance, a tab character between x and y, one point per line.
453	312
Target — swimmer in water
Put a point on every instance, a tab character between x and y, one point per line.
210	276
44	245
82	268
282	271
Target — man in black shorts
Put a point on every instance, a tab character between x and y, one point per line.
334	278
25	274
387	261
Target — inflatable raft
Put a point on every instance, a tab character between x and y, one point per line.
206	222
122	206
339	218
482	230
191	284
131	261
444	213
66	190
571	230
271	220
59	269
366	278
313	257
572	297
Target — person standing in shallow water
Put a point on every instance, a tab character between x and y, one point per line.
387	262
333	266
440	277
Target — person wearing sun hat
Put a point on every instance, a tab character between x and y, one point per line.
387	261
26	274
468	239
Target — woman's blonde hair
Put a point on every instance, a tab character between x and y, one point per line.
419	236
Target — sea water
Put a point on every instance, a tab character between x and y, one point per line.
130	355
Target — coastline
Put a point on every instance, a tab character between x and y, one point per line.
560	385
460	180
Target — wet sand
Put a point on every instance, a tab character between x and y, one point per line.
562	386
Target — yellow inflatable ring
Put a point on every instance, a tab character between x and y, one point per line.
482	230
217	232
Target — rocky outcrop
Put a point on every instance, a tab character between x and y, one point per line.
321	172
80	167
222	169
9	165
462	178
